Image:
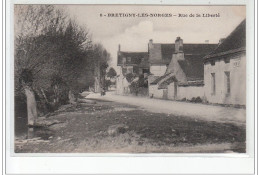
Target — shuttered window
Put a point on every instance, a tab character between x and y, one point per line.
213	84
227	83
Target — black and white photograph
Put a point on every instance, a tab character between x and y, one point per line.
135	79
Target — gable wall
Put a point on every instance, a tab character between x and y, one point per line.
237	69
175	68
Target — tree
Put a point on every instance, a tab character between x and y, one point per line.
108	83
31	22
100	59
111	73
52	54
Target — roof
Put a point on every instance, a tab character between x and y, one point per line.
144	62
192	83
235	42
162	53
136	58
192	66
167	81
157	80
198	49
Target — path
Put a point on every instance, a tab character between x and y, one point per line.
201	111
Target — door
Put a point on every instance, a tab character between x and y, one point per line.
175	90
165	94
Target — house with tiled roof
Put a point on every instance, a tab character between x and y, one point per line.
135	63
225	69
183	72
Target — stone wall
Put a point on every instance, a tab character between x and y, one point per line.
154	92
189	92
184	92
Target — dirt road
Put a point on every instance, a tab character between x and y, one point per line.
111	127
206	112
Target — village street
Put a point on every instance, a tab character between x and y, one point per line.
215	113
124	124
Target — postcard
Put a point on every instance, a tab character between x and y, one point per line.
131	79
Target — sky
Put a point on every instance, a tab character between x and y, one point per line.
134	33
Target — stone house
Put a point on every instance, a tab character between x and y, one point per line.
160	55
225	69
130	62
183	76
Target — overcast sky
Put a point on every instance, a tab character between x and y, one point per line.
134	33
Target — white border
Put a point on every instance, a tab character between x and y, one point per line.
131	163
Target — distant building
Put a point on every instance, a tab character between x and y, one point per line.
225	69
183	75
130	62
210	72
160	56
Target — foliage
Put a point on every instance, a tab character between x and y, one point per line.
53	54
138	86
130	77
111	73
108	83
101	58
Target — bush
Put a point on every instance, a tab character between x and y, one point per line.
196	100
184	99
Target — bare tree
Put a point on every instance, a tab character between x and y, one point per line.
50	51
54	57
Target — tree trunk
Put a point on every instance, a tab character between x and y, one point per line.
72	98
56	93
31	106
44	95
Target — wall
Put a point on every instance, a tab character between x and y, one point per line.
155	52
190	92
171	88
237	68
175	68
122	85
119	85
187	92
154	92
158	70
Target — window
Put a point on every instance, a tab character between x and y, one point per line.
212	63
124	60
136	69
227	60
145	70
124	71
129	70
227	83
213	84
128	59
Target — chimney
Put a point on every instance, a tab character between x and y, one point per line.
178	45
119	47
